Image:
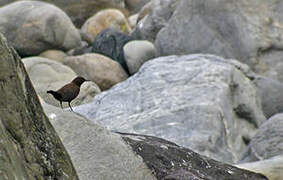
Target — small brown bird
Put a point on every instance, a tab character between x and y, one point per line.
68	92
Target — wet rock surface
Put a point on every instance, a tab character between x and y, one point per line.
172	162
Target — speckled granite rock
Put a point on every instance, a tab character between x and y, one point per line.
202	102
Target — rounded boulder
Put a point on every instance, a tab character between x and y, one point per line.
33	27
98	68
137	53
109	18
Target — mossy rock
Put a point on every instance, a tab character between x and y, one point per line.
29	146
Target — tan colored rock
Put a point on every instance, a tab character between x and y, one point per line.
133	20
271	168
100	69
54	54
46	74
109	18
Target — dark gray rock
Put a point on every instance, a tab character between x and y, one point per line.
29	146
268	140
271	95
110	42
169	161
33	27
203	102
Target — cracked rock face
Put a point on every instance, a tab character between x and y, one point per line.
203	102
29	146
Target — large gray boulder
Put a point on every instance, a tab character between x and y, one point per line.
29	146
95	152
203	102
268	140
100	154
33	27
229	28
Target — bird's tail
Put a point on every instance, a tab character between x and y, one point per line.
50	91
55	94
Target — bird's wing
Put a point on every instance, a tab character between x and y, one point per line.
69	92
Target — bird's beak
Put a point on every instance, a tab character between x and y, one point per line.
87	80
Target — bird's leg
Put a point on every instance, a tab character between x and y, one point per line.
70	106
61	104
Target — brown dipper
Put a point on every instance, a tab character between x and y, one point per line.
68	92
